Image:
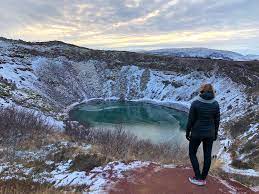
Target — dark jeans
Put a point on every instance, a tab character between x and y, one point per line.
207	147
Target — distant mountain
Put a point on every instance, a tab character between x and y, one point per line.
204	53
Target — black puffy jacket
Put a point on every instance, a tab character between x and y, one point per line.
204	117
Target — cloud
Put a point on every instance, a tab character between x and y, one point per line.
143	19
133	23
173	38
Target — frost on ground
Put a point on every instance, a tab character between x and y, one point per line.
60	174
52	78
97	179
229	169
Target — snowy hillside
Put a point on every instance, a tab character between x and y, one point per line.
51	77
204	53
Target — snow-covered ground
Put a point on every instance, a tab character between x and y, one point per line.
95	181
53	86
204	53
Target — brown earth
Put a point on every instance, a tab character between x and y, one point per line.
153	180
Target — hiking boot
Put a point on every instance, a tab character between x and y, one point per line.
195	181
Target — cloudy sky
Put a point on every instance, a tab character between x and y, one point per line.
135	24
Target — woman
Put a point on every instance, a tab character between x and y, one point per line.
202	126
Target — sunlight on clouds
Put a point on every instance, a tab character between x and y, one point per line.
50	32
101	40
45	32
138	21
117	41
134	23
144	19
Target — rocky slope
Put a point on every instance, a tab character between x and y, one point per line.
51	76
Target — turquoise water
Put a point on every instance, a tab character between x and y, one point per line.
145	120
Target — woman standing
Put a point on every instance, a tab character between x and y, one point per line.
202	126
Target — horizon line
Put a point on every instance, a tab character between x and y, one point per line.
129	49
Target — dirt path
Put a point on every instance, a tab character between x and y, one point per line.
153	180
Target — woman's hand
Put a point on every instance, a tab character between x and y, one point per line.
188	136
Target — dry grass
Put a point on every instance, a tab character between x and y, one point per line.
249	181
215	166
24	129
120	145
242	164
244	146
19	125
239	126
27	187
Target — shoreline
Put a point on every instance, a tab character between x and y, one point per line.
170	104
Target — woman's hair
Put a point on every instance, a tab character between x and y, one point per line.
207	88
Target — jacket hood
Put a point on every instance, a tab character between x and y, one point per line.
207	97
